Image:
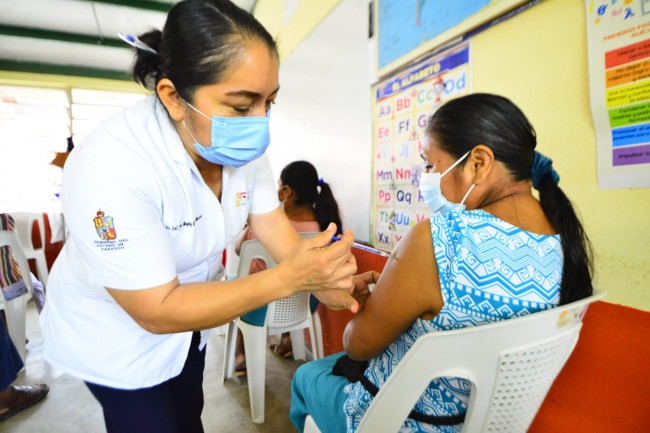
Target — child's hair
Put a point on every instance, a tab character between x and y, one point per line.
302	178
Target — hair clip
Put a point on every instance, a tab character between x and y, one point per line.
136	43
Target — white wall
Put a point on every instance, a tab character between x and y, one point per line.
323	111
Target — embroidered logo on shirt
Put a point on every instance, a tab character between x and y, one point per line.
241	198
104	226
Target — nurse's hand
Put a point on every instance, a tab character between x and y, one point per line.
338	300
317	264
355	299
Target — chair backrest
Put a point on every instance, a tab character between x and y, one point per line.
283	313
24	223
510	364
10	239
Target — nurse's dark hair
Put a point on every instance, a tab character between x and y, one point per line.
201	39
461	124
302	178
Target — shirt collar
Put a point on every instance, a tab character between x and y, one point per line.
171	139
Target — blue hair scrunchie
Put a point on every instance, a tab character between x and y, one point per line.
320	182
542	165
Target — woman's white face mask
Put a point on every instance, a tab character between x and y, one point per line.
431	193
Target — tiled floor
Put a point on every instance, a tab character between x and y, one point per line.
70	408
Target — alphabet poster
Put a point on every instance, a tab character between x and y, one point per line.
402	105
618	35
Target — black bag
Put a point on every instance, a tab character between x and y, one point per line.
353	371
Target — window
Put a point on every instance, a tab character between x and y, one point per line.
34	124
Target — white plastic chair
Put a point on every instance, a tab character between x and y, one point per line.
15	309
23	223
511	365
291	315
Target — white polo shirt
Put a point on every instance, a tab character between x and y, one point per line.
139	214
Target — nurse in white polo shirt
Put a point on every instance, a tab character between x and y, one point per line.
152	197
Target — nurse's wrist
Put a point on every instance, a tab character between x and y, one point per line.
282	283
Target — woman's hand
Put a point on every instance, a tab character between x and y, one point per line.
362	283
317	264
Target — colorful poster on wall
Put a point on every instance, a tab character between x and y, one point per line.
618	33
409	29
402	105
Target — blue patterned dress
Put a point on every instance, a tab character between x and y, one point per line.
489	271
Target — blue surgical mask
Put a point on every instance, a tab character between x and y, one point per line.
235	140
430	190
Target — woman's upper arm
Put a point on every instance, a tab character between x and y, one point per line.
408	288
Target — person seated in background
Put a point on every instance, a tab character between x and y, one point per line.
308	202
14	398
490	251
12	282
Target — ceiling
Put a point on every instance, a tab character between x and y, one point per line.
77	37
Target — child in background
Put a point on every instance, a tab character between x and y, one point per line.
309	204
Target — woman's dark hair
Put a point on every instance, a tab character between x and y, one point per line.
461	124
302	178
200	41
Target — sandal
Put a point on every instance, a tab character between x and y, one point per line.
274	349
22	397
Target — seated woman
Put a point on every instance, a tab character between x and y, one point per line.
14	398
491	251
12	279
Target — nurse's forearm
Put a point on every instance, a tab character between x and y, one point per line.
275	233
227	300
176	307
313	265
